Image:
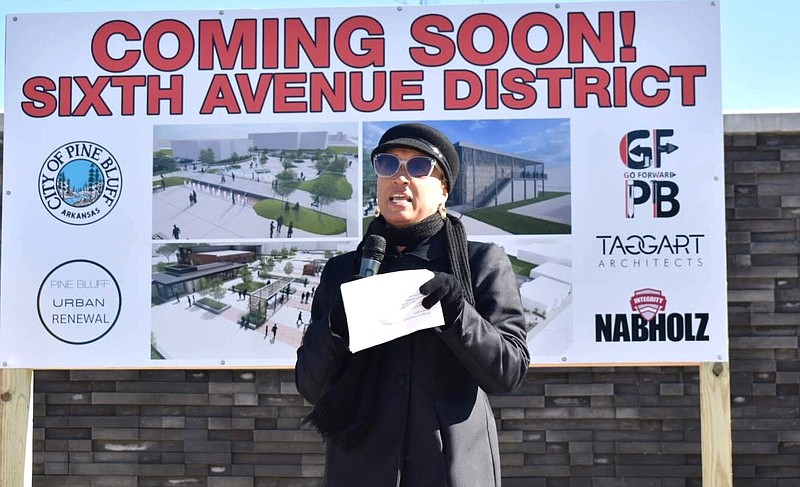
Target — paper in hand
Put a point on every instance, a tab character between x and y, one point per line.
383	307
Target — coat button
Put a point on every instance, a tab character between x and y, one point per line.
400	380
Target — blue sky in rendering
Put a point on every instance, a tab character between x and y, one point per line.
545	140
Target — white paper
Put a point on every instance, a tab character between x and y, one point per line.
383	307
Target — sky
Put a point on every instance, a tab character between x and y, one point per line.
760	39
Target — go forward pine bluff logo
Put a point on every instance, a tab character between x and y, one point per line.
80	183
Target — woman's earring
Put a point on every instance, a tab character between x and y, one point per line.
442	211
377	212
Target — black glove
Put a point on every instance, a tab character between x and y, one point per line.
444	287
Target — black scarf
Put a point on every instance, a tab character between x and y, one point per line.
343	413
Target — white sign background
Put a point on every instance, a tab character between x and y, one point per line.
667	36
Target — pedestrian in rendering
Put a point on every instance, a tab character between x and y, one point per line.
194	196
233	198
191	200
189	300
280	223
299	320
290	230
176	232
271	228
274	331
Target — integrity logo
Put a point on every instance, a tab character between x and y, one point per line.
80	183
650	322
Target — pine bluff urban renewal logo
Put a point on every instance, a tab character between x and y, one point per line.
80	183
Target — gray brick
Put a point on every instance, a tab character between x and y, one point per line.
791	201
757	213
790	154
744	140
757	167
579	389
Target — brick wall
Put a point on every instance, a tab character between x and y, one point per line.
591	427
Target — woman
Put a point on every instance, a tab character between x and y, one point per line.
413	412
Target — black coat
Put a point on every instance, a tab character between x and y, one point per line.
434	425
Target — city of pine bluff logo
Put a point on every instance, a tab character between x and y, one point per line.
80	183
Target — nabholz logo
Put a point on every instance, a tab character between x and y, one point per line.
80	183
650	322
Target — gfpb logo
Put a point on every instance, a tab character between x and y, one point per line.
643	152
80	183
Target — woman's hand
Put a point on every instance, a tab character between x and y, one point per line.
444	288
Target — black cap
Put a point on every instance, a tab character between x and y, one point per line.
427	140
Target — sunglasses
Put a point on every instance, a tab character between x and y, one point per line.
387	165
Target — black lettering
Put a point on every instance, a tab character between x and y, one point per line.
602	328
701	327
639	326
621	331
675	327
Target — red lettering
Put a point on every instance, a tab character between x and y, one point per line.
378	91
445	50
521	33
269	41
100	46
211	40
127	85
466	35
516	81
471	82
620	86
688	74
592	81
402	87
64	96
492	82
554	77
600	43
320	89
172	94
284	91
91	96
253	100
317	48
152	41
638	80
220	95
372	48
42	103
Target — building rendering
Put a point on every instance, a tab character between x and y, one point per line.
290	140
488	177
222	148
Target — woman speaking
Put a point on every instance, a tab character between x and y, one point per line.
413	412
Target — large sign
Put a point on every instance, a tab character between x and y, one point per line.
175	181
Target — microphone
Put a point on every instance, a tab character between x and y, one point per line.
372	255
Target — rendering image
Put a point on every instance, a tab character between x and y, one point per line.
254	181
238	301
514	175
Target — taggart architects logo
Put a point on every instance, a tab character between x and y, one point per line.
648	302
80	183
